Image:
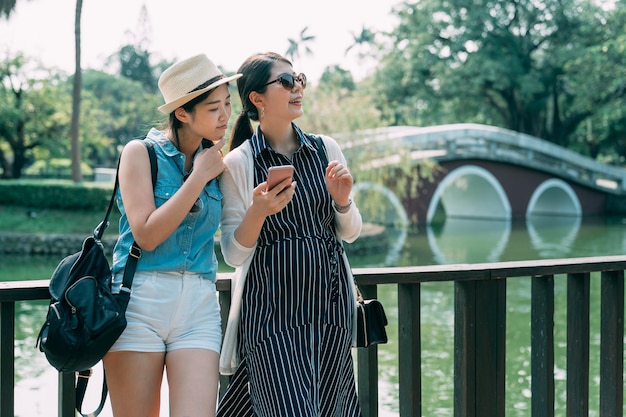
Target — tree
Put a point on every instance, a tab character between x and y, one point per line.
365	39
135	65
31	114
293	51
336	78
117	109
523	65
77	175
133	60
7	7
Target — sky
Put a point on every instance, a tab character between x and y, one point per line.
228	31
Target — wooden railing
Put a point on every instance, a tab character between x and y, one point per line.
479	336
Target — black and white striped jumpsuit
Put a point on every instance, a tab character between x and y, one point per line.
297	307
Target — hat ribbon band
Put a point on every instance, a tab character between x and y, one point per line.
208	83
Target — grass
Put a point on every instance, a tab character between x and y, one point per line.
19	219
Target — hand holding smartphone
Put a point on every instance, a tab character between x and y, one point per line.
277	174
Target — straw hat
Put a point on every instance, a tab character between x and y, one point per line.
180	83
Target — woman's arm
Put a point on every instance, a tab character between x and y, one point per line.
348	223
150	225
244	209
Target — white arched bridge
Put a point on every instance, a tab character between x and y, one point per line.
488	172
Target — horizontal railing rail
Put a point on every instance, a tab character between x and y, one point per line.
479	335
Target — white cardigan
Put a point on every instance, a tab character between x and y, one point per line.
236	184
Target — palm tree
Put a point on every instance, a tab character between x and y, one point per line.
365	38
6	8
294	45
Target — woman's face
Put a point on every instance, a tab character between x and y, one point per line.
209	118
280	102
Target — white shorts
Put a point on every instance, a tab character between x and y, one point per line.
169	311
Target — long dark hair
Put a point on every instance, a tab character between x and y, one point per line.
256	71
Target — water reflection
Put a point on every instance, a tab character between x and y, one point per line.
552	236
461	241
456	241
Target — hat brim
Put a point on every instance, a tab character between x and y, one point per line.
167	108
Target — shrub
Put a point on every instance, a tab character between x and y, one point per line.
55	194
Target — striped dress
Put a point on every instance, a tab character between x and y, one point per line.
296	316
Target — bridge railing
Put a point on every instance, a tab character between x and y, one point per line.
469	140
479	335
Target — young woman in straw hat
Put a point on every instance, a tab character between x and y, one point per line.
290	327
173	314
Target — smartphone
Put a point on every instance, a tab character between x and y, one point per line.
277	174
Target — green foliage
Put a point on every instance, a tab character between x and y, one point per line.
135	65
338	105
376	159
350	116
117	110
55	194
30	113
293	51
55	168
541	68
335	77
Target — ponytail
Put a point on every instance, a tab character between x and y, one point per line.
241	130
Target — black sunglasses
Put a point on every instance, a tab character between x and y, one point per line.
289	80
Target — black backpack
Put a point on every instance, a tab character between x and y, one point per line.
84	317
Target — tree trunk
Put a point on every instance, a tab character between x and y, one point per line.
77	175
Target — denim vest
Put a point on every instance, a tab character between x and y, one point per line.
191	247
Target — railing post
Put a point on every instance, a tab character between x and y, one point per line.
7	359
612	344
367	365
542	346
578	345
67	394
224	296
479	348
409	350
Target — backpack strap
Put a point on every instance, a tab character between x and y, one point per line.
134	252
321	148
82	377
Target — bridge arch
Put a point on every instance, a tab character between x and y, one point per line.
470	191
400	218
554	197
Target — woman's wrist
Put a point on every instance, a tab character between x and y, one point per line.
342	208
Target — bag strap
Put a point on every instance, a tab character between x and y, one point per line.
82	377
134	252
321	148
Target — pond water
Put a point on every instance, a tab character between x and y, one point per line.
455	241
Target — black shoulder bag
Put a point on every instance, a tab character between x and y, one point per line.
371	317
84	317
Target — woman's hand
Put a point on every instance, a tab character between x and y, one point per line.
270	202
264	203
208	163
339	182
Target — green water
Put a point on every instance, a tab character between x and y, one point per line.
454	242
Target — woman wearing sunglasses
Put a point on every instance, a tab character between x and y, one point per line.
290	327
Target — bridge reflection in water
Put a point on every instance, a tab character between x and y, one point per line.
472	241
